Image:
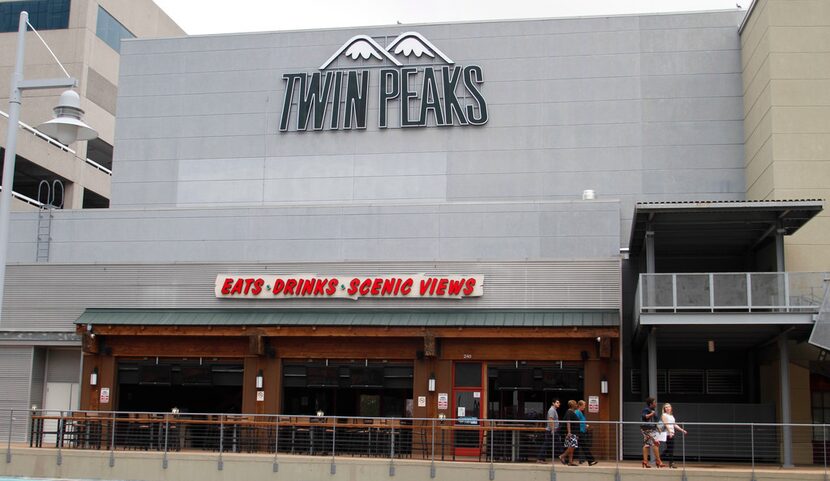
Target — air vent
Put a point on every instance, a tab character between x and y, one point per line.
724	381
686	381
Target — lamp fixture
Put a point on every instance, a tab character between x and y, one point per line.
431	383
259	380
93	377
603	386
711	346
67	125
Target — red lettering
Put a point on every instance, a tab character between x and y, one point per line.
290	284
248	283
257	287
425	283
353	285
332	288
365	286
279	284
469	286
226	286
388	287
308	287
406	287
319	286
376	284
237	287
455	287
442	287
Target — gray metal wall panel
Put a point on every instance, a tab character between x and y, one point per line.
15	371
63	365
330	233
611	104
577	284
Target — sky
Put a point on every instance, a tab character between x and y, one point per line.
198	17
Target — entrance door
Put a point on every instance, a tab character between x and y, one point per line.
59	396
467	399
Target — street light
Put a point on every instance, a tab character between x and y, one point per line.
67	127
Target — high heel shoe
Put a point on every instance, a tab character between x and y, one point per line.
646	465
661	465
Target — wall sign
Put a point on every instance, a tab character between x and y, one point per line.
104	398
443	400
297	286
432	90
593	404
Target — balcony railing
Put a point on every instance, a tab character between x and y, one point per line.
731	292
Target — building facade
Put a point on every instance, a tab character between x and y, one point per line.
85	36
274	194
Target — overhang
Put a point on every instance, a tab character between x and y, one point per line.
719	227
263	317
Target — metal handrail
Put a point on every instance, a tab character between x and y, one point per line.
57	144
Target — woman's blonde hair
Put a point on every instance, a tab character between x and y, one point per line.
666	406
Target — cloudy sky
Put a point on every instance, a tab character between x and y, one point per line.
221	16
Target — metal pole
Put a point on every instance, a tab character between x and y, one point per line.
683	477
11	151
392	452
221	464
166	430
752	446
333	438
59	440
9	444
432	464
112	442
617	426
492	438
824	442
276	466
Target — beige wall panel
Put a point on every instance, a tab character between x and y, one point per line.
756	112
807	258
800	39
801	147
759	173
813	65
759	136
799	12
805	119
754	30
757	84
788	92
756	68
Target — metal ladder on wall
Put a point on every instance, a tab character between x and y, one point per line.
46	195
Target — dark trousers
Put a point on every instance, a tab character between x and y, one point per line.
552	444
584	449
668	454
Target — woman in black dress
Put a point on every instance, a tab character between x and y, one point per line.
571	422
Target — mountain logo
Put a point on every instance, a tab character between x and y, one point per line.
426	87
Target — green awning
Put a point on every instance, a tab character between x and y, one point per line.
262	317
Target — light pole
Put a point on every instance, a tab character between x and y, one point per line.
67	127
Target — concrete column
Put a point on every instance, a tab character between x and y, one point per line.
652	363
650	252
73	196
786	418
780	265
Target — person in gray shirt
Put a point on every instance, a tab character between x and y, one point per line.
551	433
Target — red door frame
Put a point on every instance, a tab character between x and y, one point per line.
474	451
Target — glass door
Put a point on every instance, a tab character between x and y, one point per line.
467	402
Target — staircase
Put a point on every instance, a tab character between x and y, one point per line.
820	336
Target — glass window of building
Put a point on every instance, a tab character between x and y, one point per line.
111	30
43	14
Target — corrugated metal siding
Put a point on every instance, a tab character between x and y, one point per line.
63	366
260	317
52	297
15	368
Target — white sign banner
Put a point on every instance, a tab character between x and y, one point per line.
300	286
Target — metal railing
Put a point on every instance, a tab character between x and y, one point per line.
55	143
731	292
745	445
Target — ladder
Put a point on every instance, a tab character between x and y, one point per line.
46	195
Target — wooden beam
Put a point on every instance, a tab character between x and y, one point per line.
574	332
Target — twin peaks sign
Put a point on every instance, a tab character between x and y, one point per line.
417	86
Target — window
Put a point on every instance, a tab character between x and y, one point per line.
110	30
43	14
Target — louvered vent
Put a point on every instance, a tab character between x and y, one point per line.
686	381
724	381
637	381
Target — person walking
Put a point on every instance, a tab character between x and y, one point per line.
571	422
584	451
551	442
671	429
649	430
